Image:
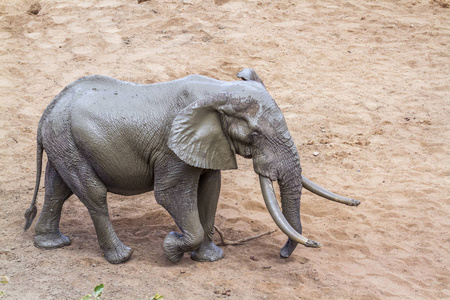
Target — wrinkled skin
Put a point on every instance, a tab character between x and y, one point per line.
104	135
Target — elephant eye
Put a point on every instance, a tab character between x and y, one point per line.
253	137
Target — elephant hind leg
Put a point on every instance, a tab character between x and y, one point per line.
92	192
208	197
57	192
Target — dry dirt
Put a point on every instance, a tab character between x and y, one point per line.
365	84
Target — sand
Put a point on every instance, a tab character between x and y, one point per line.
364	85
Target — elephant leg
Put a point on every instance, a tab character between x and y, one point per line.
94	198
92	192
177	193
208	197
57	192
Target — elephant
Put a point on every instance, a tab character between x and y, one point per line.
174	138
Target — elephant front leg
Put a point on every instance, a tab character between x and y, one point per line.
208	197
176	190
176	244
187	219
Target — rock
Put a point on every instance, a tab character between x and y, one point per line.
34	9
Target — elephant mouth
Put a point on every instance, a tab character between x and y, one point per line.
275	211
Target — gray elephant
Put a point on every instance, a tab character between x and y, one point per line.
104	135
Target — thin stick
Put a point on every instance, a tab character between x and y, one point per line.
225	242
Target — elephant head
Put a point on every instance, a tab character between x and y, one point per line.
242	118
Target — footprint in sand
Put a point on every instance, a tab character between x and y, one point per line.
108	3
5	35
78	28
109	30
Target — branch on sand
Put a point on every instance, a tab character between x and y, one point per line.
225	242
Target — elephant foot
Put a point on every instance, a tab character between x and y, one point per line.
207	252
171	247
118	254
51	240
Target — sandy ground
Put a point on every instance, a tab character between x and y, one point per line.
364	83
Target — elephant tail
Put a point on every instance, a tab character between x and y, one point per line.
31	212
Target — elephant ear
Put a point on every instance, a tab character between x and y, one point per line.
249	74
198	139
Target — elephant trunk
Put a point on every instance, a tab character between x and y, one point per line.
288	220
291	192
288	174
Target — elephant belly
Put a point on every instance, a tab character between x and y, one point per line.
118	160
124	177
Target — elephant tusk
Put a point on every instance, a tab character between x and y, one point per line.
312	187
275	211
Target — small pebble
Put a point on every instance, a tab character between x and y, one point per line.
316	153
34	9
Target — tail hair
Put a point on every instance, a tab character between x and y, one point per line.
30	214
